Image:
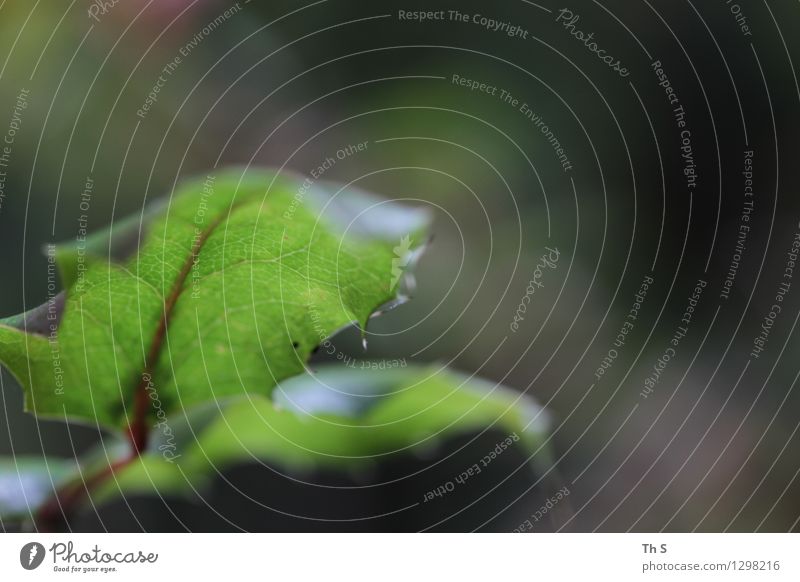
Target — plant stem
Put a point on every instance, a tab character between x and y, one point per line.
58	509
65	500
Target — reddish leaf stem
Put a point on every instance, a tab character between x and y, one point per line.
138	427
57	510
66	500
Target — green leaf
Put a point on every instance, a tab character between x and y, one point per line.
116	244
338	418
236	279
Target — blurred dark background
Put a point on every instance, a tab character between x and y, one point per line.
285	84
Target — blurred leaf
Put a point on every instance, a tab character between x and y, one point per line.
339	418
26	482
